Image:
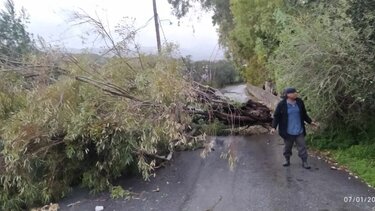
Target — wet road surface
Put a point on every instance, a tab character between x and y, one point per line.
257	182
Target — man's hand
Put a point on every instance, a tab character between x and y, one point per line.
273	130
315	125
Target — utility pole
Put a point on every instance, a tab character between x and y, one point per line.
156	19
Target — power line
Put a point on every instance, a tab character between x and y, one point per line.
162	31
146	24
217	52
212	53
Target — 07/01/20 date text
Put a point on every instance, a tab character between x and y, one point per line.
359	199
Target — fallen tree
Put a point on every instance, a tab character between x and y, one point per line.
214	105
229	112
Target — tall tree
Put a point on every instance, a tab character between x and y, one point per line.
254	37
15	41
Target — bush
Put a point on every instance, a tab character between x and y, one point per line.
319	55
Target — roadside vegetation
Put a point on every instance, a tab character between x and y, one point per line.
324	48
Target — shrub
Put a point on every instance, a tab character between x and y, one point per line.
319	55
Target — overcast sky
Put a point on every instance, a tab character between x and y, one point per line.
49	18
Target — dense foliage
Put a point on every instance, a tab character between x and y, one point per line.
363	20
323	48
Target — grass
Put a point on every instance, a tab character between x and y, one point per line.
359	160
357	156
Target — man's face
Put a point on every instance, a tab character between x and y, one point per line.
292	96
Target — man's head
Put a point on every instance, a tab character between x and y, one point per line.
291	93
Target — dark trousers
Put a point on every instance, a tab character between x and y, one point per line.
301	146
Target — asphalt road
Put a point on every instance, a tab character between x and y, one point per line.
257	182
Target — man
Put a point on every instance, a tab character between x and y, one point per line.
290	116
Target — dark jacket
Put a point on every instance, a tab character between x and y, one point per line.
280	117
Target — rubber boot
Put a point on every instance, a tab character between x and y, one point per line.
305	165
287	162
